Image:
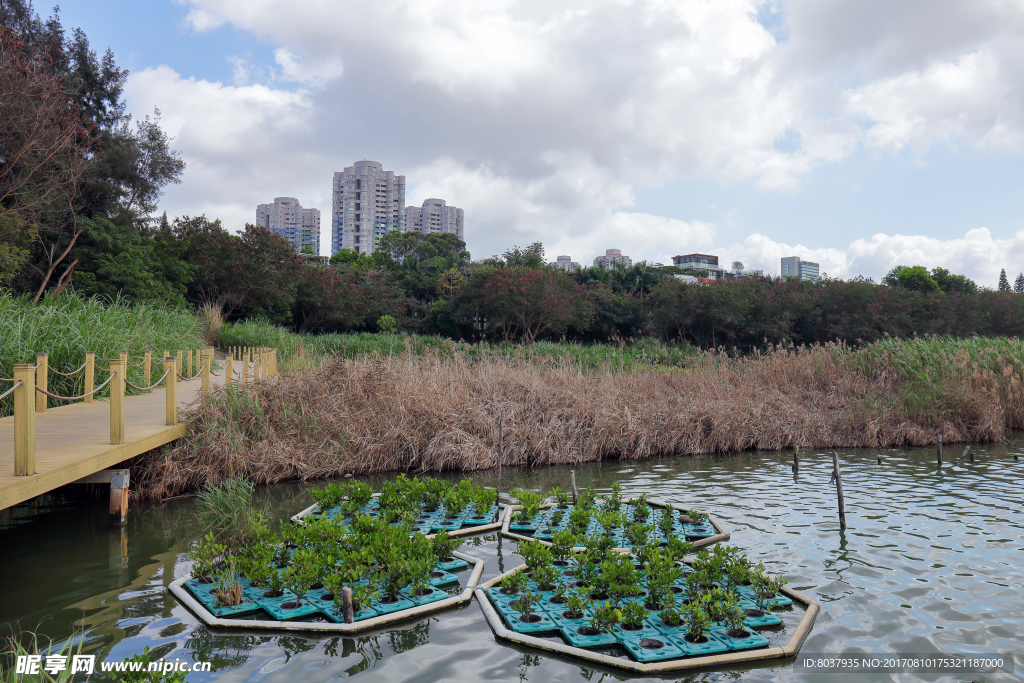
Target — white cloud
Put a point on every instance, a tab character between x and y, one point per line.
541	119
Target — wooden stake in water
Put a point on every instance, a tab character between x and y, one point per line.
575	493
964	455
939	455
346	605
501	451
796	462
839	489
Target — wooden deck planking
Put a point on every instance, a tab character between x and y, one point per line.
73	441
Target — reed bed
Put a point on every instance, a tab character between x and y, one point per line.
435	411
625	354
67	327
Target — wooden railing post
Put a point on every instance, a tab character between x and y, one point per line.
245	370
273	362
25	420
191	368
117	373
171	389
179	369
147	368
90	374
42	381
204	364
229	371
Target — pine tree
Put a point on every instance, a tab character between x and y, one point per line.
1018	285
1004	284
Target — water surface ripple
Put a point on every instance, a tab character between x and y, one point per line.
932	561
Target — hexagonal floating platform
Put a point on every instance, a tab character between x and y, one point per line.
655	647
198	598
541	528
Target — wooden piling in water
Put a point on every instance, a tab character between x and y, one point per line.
346	605
939	452
796	462
963	455
501	452
839	489
575	493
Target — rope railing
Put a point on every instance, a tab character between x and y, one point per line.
151	386
4	379
73	372
9	391
195	376
76	398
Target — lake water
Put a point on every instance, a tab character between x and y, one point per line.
932	561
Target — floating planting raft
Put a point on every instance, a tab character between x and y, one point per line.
629	524
356	561
620	579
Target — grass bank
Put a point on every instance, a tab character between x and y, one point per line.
67	327
440	409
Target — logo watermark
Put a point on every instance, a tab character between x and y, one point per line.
86	664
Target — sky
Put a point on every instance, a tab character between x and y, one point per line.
861	135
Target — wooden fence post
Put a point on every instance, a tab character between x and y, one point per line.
179	369
42	381
117	373
171	389
191	367
25	420
204	364
147	368
90	374
245	370
229	371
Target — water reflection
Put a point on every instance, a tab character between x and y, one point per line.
932	560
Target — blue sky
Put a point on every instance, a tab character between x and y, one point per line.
861	135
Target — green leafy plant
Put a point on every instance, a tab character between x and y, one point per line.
205	554
618	577
666	522
535	554
696	618
444	545
524	604
766	587
637	534
561	497
228	586
143	674
546	576
633	615
576	601
697	518
671	616
604	617
306	567
513	583
562	543
328	497
641	509
530	502
579	517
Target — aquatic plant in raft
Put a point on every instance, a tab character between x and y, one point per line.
619	577
766	588
586	501
662	574
530	502
575	602
604	616
645	551
637	533
696	618
227	583
728	611
579	518
482	500
205	554
513	583
433	494
613	500
633	615
301	575
695	517
671	616
328	497
562	543
641	509
561	498
665	522
524	605
535	554
443	545
546	577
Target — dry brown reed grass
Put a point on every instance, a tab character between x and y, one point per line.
433	413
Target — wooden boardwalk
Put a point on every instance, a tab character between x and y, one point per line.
73	441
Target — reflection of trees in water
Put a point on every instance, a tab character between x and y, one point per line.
223	650
528	662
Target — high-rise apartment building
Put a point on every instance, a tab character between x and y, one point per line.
566	263
367	202
287	218
613	258
435	216
792	266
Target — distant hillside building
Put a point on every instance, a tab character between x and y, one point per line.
435	216
792	266
287	218
613	258
367	202
706	264
566	263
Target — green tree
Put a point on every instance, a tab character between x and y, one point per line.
1018	284
914	278
951	283
351	258
1004	284
530	257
